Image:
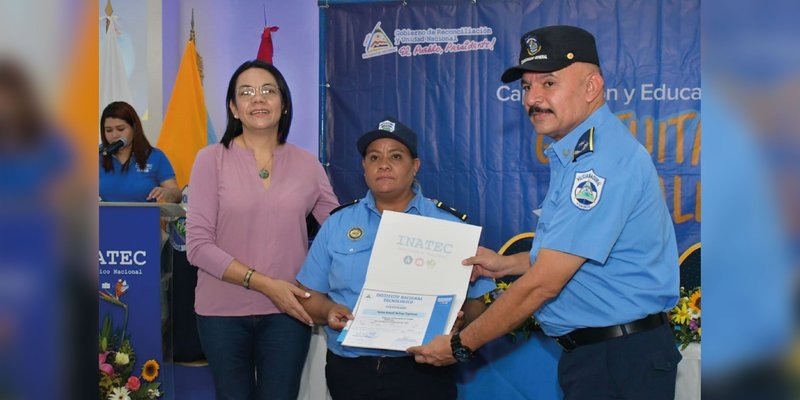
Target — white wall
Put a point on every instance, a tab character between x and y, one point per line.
228	33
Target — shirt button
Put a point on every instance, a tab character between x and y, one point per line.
352	250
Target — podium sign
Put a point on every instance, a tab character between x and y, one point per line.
130	292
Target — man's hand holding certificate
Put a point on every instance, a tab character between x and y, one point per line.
415	283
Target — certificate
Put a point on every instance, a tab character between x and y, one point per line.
396	321
416	255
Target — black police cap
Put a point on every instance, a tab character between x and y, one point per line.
552	48
390	128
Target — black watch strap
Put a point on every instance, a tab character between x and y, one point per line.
460	352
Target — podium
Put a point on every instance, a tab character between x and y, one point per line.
134	282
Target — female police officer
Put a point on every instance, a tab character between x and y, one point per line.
336	267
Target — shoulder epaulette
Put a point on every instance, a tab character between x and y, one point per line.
345	205
585	144
451	210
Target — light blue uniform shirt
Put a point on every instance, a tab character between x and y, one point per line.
605	204
135	183
337	265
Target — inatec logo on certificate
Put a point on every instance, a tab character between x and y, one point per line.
415	282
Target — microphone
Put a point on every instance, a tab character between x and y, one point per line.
114	147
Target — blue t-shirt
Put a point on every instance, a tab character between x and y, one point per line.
135	183
27	174
337	265
605	204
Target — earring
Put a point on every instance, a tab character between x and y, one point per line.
285	112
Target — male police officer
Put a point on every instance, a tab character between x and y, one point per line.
603	268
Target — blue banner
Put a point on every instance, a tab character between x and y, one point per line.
436	66
130	299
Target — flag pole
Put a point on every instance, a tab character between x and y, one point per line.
191	29
109	11
192	38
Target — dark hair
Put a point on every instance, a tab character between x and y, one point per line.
140	146
234	126
22	120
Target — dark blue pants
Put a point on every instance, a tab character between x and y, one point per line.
255	357
388	378
638	366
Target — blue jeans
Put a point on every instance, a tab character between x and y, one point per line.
255	357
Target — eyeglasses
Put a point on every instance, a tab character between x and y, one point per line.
266	91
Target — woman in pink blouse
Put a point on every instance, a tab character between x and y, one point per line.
246	232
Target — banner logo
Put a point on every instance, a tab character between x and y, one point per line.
377	43
120	288
428	41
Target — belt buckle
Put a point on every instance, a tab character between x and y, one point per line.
566	342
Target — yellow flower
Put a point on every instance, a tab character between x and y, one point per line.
680	314
121	358
150	370
694	301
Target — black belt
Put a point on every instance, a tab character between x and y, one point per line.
585	336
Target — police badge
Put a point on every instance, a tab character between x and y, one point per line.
586	189
532	45
355	233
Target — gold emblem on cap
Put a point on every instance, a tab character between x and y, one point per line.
570	56
532	44
355	233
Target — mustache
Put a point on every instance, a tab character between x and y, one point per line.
536	109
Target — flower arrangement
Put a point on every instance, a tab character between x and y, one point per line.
525	329
116	359
685	317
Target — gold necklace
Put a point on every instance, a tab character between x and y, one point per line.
263	173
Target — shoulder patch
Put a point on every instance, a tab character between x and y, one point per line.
585	144
345	205
586	189
451	210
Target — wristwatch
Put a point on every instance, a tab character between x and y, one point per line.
460	352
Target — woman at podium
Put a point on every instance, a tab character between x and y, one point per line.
246	232
131	169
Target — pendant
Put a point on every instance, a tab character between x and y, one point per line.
263	173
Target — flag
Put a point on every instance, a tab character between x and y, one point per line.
113	79
79	93
186	128
265	49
